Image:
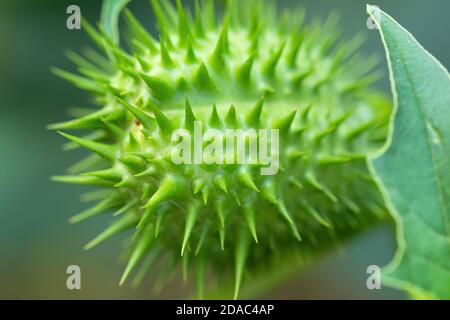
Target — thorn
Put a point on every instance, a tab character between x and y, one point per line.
198	185
220	209
247	180
269	194
214	119
165	55
106	151
249	214
255	38
147	121
95	75
129	71
316	215
199	29
111	174
169	188
236	197
330	160
296	154
160	15
145	65
269	66
93	34
231	118
355	132
217	59
285	123
143	34
142	246
170	11
202	239
268	90
306	112
161	87
159	218
126	207
104	205
183	27
87	181
205	194
115	91
233	13
203	80
318	137
164	123
298	79
113	128
122	58
91	121
241	252
147	190
296	182
351	205
189	117
127	182
311	179
191	58
299	132
253	116
191	217
221	183
254	23
147	263
145	219
284	23
291	57
90	162
133	143
135	163
95	195
80	82
243	71
210	15
117	227
284	212
99	59
82	62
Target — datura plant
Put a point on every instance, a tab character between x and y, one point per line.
248	70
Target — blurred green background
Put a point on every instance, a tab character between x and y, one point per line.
36	241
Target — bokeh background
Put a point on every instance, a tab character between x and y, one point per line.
36	241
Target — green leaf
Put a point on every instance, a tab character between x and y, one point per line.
110	17
413	170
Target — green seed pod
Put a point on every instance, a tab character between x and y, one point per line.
233	73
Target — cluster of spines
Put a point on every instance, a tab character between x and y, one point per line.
134	121
174	65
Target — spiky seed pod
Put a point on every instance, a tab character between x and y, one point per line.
228	73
